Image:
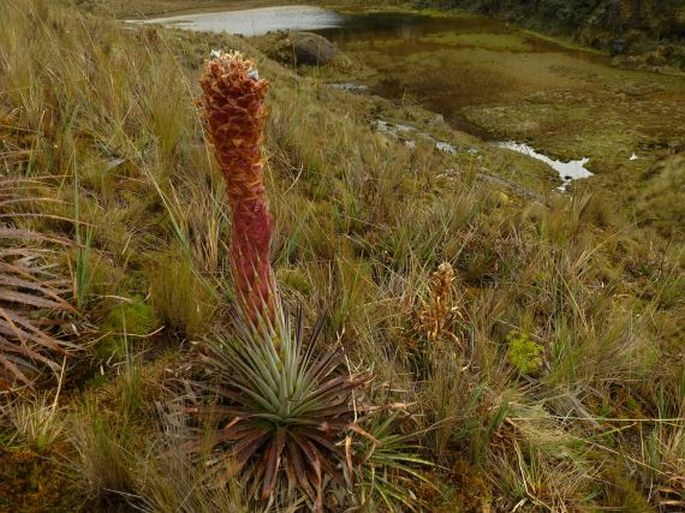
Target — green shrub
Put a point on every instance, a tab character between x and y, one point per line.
523	353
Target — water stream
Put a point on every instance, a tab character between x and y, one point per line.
567	171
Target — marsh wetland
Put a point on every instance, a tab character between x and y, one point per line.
492	80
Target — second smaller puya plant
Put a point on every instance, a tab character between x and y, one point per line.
280	413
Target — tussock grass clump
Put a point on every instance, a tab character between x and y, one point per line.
169	482
103	463
182	300
39	423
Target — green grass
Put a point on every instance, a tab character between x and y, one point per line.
102	117
508	42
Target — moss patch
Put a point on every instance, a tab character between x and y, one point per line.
31	483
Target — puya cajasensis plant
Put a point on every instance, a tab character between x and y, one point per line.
282	414
235	114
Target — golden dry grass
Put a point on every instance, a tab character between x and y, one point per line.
106	115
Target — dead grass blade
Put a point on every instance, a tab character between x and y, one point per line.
33	309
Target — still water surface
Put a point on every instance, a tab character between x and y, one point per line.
254	22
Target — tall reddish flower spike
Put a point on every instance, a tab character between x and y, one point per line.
235	115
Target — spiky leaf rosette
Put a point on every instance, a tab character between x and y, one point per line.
233	104
281	417
33	298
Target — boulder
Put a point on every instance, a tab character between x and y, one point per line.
311	48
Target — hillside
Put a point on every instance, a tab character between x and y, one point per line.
520	349
650	33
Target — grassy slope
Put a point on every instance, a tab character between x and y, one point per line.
554	377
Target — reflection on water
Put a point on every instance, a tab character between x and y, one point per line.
252	22
405	27
572	170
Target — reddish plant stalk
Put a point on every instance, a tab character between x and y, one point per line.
235	115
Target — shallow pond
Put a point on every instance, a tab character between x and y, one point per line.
253	22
